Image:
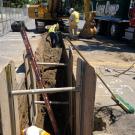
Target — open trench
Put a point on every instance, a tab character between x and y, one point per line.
53	76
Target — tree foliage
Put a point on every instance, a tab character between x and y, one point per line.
15	3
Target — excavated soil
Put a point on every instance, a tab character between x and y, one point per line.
108	118
52	77
23	111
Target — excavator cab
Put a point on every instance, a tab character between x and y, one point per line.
47	12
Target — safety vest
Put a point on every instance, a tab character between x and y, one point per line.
33	130
52	28
75	16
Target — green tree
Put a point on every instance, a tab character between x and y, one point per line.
18	3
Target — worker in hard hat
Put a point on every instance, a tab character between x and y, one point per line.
33	130
73	22
53	32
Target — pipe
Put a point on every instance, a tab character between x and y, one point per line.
53	102
45	90
51	64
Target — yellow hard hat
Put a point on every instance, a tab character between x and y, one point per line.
44	133
33	129
23	132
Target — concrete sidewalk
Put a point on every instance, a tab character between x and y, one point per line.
12	48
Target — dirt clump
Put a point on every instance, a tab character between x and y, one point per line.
127	57
111	121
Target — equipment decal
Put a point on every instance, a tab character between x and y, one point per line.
107	9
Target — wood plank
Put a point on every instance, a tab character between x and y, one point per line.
87	99
15	109
4	105
87	8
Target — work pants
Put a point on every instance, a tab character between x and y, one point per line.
73	29
54	39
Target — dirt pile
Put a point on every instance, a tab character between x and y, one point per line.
113	122
127	57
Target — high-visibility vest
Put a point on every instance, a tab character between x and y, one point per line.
33	130
52	28
75	16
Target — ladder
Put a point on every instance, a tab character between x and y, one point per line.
39	79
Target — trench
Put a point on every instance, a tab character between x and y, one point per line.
54	76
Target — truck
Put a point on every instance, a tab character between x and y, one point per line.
47	12
115	18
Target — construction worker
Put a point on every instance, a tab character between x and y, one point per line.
73	22
33	130
54	34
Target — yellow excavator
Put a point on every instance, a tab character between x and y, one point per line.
47	12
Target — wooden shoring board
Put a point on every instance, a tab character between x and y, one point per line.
9	104
4	105
86	83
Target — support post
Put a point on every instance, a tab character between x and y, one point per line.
13	101
77	95
70	81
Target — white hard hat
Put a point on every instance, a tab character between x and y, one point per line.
71	10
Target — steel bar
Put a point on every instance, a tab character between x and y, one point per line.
45	90
51	64
53	102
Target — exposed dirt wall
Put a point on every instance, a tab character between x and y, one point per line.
53	77
46	54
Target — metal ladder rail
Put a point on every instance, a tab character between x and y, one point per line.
39	79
